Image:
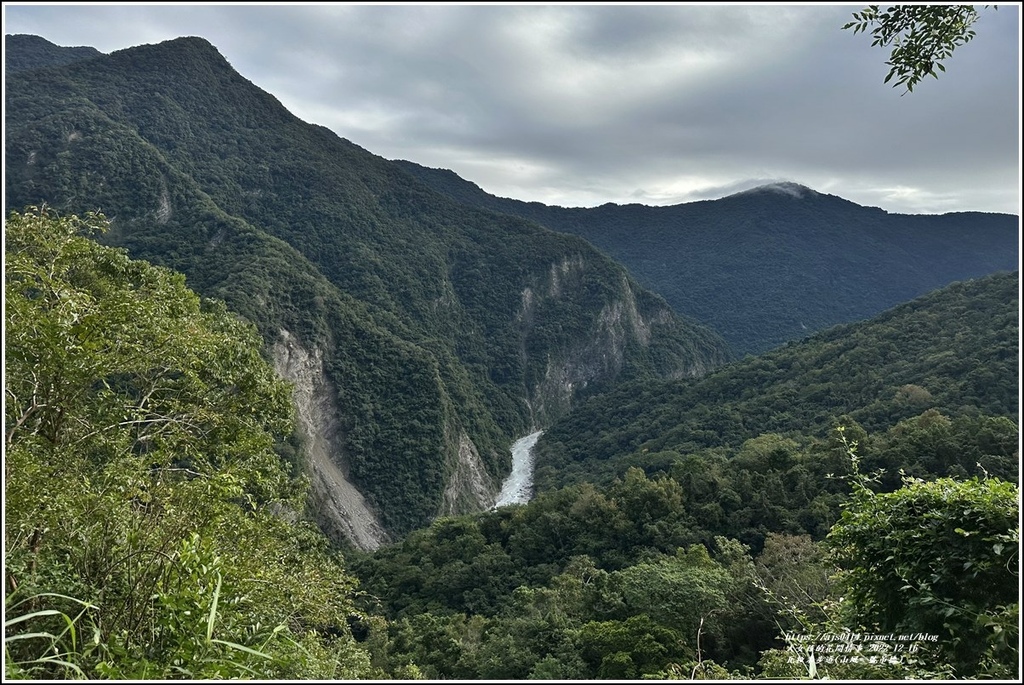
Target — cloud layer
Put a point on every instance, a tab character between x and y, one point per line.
587	104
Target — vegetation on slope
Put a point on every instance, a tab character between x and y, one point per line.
693	559
685	539
776	263
27	52
638	578
150	524
434	320
954	350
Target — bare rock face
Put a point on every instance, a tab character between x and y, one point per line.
589	357
341	509
597	356
571	365
469	489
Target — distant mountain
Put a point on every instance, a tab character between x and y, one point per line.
24	52
776	263
422	335
954	350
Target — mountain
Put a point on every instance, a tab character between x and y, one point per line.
775	263
24	52
422	335
954	350
704	513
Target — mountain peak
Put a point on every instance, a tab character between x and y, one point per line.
193	42
782	187
189	62
191	45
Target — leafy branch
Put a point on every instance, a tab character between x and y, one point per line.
921	36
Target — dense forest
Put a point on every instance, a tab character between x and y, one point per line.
680	528
173	538
33	52
213	309
954	351
151	512
438	332
777	263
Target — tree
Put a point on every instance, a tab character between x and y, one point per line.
922	37
927	587
936	558
144	528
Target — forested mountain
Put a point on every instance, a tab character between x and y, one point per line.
32	52
954	351
681	526
422	335
775	263
147	509
697	517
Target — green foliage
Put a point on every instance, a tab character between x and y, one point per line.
938	558
959	343
24	52
817	260
793	572
630	550
681	591
585	623
928	585
542	586
922	37
149	529
432	320
118	359
617	560
625	650
55	652
141	481
682	470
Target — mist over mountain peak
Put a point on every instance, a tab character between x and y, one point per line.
783	187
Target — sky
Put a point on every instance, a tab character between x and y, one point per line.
585	104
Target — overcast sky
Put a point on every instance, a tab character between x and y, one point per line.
579	105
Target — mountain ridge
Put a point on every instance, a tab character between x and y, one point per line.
952	350
34	52
442	331
771	264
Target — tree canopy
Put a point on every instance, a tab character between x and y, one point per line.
936	558
148	532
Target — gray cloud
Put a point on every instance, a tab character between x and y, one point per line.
587	104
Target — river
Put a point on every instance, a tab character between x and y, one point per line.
518	487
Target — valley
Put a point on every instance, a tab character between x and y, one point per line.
279	407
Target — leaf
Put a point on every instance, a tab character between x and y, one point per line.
29	636
58	661
35	614
242	648
213	609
